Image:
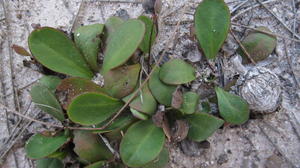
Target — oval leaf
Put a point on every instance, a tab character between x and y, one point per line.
212	23
87	39
161	161
120	82
258	45
202	126
75	86
46	100
144	102
49	163
111	25
90	147
20	50
50	81
161	91
190	103
150	34
92	108
56	51
99	164
39	146
123	43
232	108
138	114
176	72
141	144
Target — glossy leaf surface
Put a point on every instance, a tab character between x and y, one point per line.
232	108
258	45
150	34
39	146
75	86
141	144
49	163
92	108
90	147
46	100
176	72
212	23
56	51
190	102
123	43
145	103
120	82
87	39
161	91
138	114
202	126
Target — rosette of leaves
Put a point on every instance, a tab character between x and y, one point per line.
87	110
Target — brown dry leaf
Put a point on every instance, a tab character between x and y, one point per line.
177	99
20	50
180	131
160	120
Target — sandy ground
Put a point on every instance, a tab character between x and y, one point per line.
269	141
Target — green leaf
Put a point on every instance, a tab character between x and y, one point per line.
141	144
56	51
150	34
90	147
212	23
92	108
202	126
161	161
258	45
46	101
99	164
176	72
75	86
39	146
59	154
138	114
87	39
190	103
111	25
118	124
49	163
50	81
161	91
120	82
123	43
144	102
232	108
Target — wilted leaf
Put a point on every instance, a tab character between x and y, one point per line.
150	34
120	82
50	81
181	130
111	25
49	163
161	161
123	43
20	50
212	23
177	99
141	144
87	39
39	146
138	114
161	91
176	72
75	86
99	164
145	103
46	100
118	124
258	45
92	108
90	147
190	103
56	51
202	126
232	108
